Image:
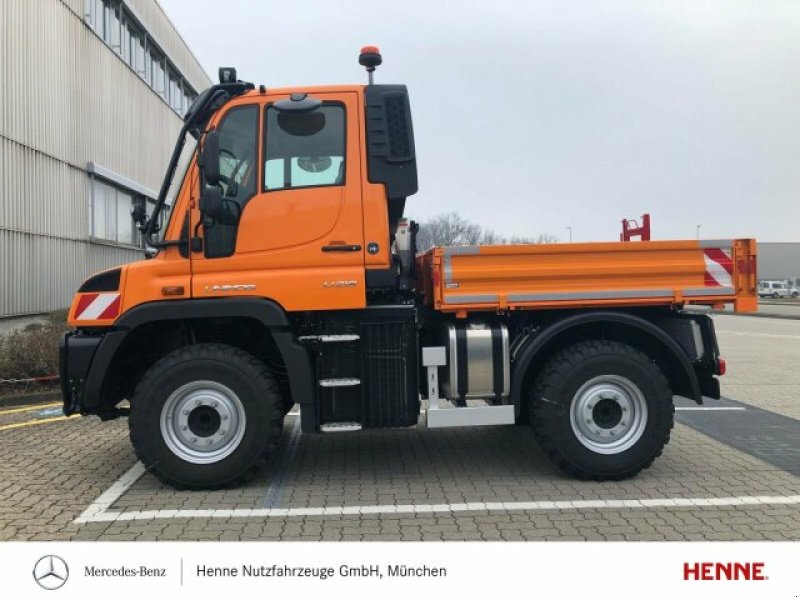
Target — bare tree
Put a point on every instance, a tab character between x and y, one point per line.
447	229
542	238
451	229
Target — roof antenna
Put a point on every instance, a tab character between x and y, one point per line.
370	58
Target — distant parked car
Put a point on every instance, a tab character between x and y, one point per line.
775	289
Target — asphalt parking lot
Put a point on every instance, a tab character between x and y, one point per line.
729	473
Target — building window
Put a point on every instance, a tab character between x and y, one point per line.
157	70
139	55
111	213
113	31
116	25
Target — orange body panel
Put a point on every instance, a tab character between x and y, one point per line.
480	278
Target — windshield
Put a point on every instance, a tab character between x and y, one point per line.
175	185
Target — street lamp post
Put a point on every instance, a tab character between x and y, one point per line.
698	231
570	233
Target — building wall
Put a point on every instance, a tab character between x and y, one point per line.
779	260
68	99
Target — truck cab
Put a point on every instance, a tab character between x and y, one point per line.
287	274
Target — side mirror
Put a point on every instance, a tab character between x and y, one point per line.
211	201
209	158
213	205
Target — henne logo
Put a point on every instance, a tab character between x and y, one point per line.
730	571
50	572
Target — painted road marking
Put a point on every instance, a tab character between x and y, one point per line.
49	412
38	422
710	408
98	511
13	411
754	334
103	502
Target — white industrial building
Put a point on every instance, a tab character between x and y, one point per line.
91	98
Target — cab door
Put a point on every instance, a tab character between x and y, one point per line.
295	177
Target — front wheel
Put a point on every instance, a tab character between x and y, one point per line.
203	416
601	410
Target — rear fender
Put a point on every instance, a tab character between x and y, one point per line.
684	379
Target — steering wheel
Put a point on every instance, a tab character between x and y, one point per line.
232	157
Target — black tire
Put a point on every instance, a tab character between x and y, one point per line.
775	295
236	370
554	391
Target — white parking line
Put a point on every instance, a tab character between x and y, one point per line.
104	501
98	511
756	334
710	408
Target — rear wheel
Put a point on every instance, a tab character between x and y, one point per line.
601	410
204	415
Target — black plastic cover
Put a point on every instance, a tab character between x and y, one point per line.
390	140
75	357
107	281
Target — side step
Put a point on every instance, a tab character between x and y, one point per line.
470	416
340	427
340	382
332	338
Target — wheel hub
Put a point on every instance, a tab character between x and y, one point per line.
202	422
608	414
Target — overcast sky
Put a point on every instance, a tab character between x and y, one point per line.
531	116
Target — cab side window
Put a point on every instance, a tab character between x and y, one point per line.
304	149
238	141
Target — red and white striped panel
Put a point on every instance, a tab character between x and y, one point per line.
719	267
93	307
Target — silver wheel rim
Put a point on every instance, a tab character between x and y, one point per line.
608	414
203	422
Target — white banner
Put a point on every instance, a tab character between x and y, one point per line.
382	571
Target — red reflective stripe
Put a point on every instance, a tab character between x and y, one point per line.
719	257
84	302
111	311
709	280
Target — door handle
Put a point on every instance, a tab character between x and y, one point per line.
342	248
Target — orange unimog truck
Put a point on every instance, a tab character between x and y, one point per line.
287	274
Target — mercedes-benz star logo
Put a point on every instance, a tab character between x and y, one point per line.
51	572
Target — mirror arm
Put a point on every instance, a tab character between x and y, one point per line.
150	227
